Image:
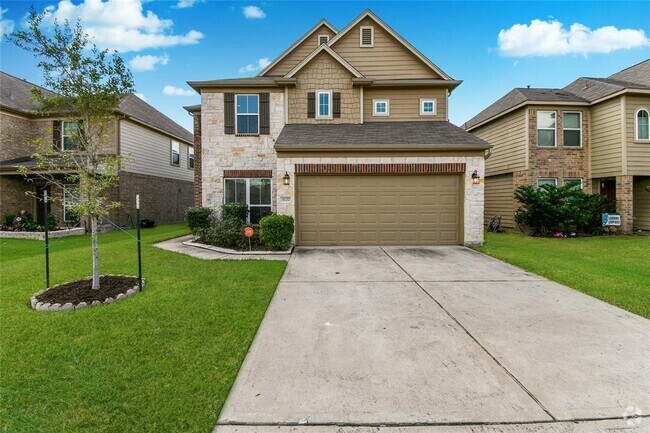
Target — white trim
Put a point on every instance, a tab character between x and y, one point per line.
537	128
573	179
248	114
329	104
554	179
331	52
248	193
318	38
65	195
190	152
428	113
636	124
379	101
393	33
372	36
361	105
286	52
564	128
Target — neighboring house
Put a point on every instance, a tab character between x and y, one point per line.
348	132
158	158
593	131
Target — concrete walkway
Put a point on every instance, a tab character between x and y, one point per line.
437	339
176	245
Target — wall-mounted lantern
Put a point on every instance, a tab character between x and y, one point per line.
286	178
476	179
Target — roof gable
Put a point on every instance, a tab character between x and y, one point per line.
298	50
391	56
323	49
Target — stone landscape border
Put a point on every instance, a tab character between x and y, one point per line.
40	236
46	306
236	252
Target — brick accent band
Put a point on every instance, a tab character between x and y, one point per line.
248	173
431	168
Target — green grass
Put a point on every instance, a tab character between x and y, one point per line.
161	361
615	269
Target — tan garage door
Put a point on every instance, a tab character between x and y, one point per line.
378	210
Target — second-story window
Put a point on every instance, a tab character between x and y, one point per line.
546	128
572	129
176	153
69	132
427	107
324	104
380	107
190	157
247	109
642	125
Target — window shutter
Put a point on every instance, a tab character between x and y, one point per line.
56	135
265	115
229	113
311	105
336	109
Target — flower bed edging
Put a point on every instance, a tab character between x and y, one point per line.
235	252
46	306
40	236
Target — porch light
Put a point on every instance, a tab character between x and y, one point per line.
286	178
476	179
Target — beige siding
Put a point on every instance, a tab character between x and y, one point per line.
508	136
606	139
642	204
638	152
387	59
149	152
404	104
299	53
324	73
499	199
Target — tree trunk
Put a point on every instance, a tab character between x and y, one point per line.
93	235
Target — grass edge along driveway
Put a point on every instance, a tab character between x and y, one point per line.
163	360
611	268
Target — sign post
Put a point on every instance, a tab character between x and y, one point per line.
248	231
47	240
137	212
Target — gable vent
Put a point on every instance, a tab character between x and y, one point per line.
323	39
367	37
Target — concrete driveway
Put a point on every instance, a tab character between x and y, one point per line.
438	337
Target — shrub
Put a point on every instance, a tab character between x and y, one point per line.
198	218
549	209
52	222
238	211
226	233
277	231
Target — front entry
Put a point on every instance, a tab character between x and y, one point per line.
379	209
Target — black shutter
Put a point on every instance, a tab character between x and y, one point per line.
336	99
56	135
265	115
311	105
229	113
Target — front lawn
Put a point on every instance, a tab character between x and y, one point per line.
615	269
161	361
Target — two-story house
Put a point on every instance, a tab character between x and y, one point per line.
347	131
593	131
158	161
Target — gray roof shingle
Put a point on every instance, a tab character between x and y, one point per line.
425	135
638	74
16	94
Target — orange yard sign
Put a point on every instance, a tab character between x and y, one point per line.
248	231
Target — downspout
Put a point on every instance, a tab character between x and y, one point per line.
361	104
488	154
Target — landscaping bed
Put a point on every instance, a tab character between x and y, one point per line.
81	294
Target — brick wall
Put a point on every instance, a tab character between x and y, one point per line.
15	136
198	171
625	201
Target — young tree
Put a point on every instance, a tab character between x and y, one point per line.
88	85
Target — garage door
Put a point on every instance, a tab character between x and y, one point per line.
378	210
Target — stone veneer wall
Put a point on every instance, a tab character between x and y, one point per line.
473	194
221	152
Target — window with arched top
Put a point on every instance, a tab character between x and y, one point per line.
642	124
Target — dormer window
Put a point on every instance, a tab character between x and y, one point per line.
323	39
367	37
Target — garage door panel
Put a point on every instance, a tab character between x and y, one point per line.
373	209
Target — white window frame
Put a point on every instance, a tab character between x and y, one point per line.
545	129
63	134
190	157
636	124
574	179
372	36
380	101
564	128
426	101
248	193
329	104
327	39
65	200
252	134
171	153
554	179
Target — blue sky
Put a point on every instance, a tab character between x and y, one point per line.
198	40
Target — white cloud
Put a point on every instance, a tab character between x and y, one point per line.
6	26
183	4
253	12
177	91
121	25
254	67
551	38
141	96
148	62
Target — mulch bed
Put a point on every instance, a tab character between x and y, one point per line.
80	291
